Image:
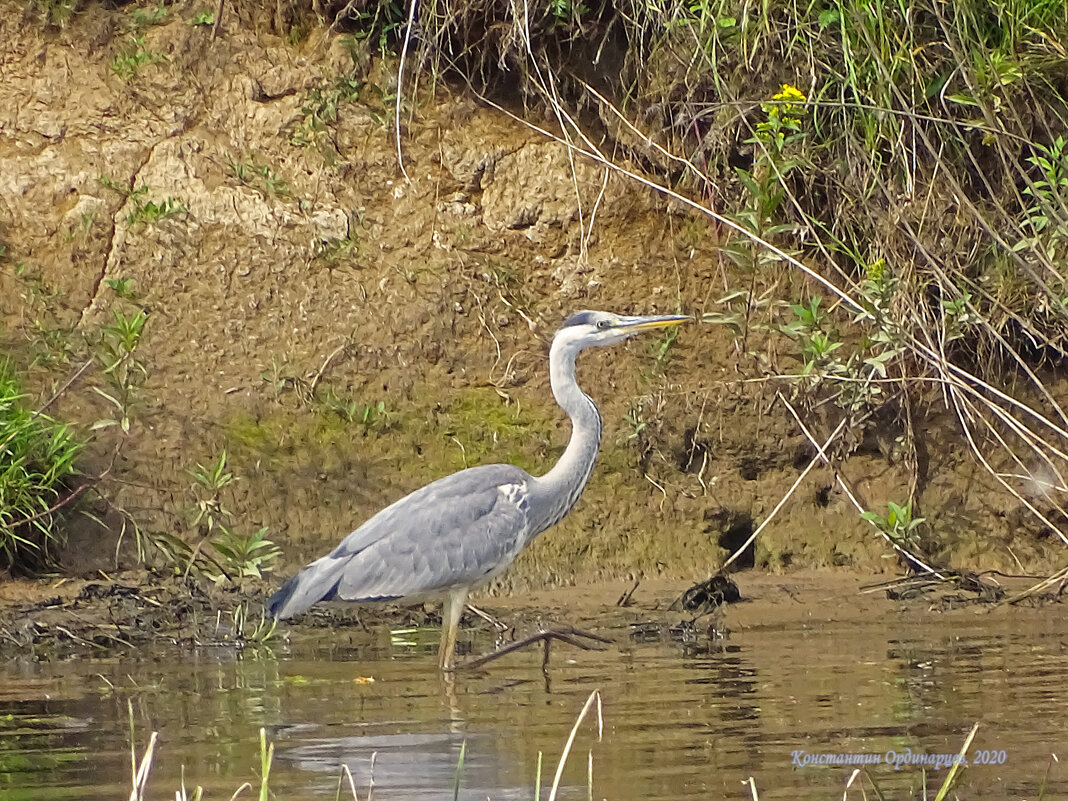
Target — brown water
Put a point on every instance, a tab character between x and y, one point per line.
681	720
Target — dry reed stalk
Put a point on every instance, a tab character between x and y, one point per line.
595	697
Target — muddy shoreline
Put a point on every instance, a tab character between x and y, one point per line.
66	618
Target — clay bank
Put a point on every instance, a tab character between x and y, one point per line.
345	323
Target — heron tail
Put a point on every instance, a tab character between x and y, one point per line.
314	583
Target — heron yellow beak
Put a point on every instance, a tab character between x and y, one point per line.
637	324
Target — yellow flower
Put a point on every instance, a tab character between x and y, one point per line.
876	270
791	94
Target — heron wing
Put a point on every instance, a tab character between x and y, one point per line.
452	532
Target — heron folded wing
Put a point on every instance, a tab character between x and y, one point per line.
451	533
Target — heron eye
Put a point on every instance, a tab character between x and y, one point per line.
602	324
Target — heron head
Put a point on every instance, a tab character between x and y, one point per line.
597	328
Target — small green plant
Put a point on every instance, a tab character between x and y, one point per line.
877	291
259	176
661	350
132	58
148	212
822	351
897	524
958	316
210	483
332	252
856	373
743	312
378	23
567	12
321	107
51	347
233	555
1046	217
276	378
144	18
203	18
121	287
250	629
635	423
36	291
381	106
774	139
56	12
110	183
272	182
123	373
85	224
244	557
816	344
693	232
37	456
373	417
51	343
145	211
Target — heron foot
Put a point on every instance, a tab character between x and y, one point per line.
585	640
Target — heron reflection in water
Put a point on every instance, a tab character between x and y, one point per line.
462	530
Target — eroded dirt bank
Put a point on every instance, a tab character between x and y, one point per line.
346	333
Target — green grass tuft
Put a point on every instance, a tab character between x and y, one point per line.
37	456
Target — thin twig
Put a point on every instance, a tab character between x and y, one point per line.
326	363
400	85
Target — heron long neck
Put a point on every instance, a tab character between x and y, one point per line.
560	487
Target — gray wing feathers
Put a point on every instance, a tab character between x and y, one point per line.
310	585
449	533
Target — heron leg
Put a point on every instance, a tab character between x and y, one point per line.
451	611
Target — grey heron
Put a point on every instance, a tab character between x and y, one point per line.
462	530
